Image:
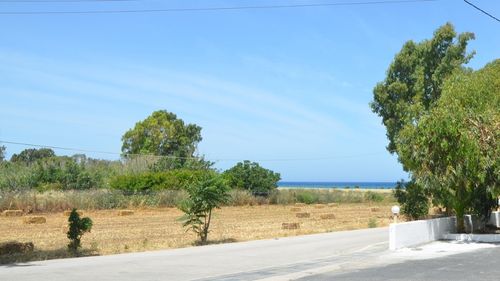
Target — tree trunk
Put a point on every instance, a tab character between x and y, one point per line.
460	209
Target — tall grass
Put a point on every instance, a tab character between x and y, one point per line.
98	199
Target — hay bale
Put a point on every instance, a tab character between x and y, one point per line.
319	206
12	213
34	220
295	209
67	213
303	215
327	216
125	212
14	247
375	209
290	225
300	204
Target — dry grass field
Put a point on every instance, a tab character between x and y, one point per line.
153	229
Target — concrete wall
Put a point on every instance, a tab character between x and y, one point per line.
495	219
414	233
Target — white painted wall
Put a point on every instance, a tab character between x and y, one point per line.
495	219
414	233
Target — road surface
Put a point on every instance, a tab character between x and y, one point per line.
253	260
477	265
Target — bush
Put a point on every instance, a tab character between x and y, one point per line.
413	200
374	196
251	176
307	197
372	223
77	227
168	180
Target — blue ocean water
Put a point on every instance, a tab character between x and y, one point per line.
362	185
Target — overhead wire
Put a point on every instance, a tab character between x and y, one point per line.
179	157
481	10
227	8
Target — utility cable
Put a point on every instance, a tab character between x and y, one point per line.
178	157
481	10
205	9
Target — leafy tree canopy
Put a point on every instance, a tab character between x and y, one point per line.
455	148
162	134
251	176
415	78
31	155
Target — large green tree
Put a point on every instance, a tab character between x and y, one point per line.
455	148
252	177
415	78
163	134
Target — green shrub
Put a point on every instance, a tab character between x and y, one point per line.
413	200
251	176
372	223
307	197
373	196
168	180
77	227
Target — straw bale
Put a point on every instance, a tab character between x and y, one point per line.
34	220
290	225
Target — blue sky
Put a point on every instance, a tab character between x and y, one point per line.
263	84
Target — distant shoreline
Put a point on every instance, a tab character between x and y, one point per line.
337	185
384	190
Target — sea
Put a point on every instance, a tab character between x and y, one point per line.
334	184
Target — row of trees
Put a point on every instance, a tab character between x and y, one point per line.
443	122
157	153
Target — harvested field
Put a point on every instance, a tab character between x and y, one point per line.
152	229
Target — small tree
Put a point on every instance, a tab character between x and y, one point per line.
413	199
207	194
77	227
251	176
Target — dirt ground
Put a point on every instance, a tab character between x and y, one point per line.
153	229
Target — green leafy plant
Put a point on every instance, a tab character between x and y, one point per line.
413	199
373	196
205	195
77	227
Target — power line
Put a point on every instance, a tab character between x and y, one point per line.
62	1
481	10
202	9
178	157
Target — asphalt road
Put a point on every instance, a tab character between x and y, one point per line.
478	265
236	261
